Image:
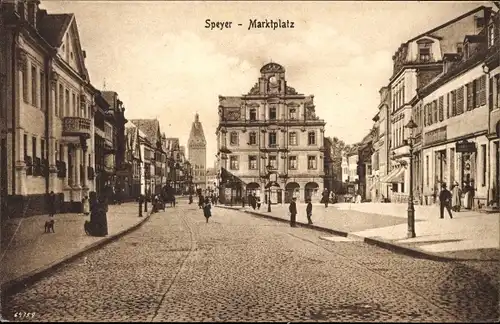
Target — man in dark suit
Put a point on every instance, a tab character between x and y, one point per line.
444	201
293	212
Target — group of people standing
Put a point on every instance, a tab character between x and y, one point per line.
452	200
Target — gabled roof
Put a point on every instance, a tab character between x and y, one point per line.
150	127
53	27
110	97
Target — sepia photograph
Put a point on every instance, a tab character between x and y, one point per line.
249	161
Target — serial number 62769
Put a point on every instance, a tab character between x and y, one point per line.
24	315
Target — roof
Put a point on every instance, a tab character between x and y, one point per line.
197	136
230	101
53	27
459	68
110	97
149	127
429	32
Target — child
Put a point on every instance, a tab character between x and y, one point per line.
309	211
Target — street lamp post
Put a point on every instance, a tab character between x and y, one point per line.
269	168
411	208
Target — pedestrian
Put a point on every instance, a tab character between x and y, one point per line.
200	201
293	212
86	205
444	201
456	197
309	209
207	209
190	199
326	196
51	204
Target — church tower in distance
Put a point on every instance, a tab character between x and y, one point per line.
198	153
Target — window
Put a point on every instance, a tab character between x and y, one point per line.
293	113
253	114
61	101
233	138
273	162
292	138
483	161
311	162
25	84
42	91
33	87
252	139
453	103
459	48
470	96
482	90
42	148
440	109
25	144
491	35
272	113
252	162
73	104
311	138
233	163
272	139
490	94
66	104
424	52
460	100
427	170
466	50
434	111
33	147
292	162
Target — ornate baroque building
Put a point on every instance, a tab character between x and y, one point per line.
272	130
197	146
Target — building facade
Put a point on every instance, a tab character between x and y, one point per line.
133	154
456	111
379	188
270	134
416	63
45	80
197	146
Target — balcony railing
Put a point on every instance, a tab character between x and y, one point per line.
76	126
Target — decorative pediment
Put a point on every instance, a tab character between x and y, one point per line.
272	68
293	105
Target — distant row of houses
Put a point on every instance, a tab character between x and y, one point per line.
58	132
447	81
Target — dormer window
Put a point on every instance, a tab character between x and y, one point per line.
424	51
466	50
491	35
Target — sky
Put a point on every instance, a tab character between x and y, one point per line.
163	63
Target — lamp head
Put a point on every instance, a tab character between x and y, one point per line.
486	69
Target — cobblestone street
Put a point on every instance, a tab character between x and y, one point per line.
237	267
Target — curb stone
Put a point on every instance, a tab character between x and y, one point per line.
412	252
18	284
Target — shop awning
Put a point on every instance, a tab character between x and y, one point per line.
397	177
388	176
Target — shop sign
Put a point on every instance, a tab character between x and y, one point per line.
465	147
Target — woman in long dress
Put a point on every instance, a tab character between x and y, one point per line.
455	198
207	209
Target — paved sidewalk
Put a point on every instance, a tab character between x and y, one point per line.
469	235
26	248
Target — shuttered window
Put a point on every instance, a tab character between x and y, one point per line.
434	112
482	90
476	93
470	96
453	103
425	115
440	109
460	100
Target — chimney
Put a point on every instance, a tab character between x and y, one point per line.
32	11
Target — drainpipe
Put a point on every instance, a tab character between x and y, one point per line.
48	101
15	103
